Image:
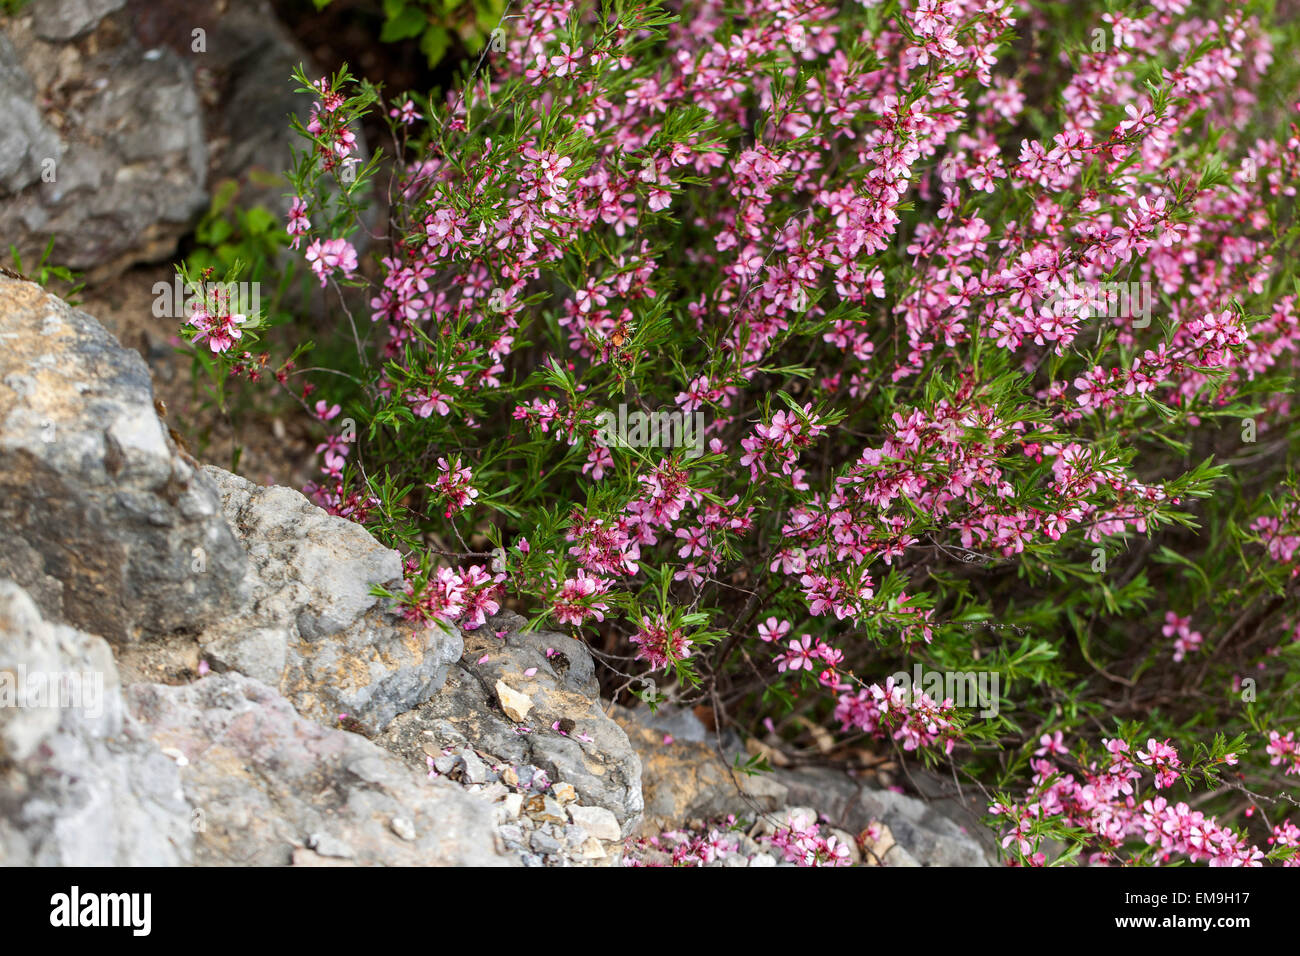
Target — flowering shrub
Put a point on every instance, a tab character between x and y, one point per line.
986	310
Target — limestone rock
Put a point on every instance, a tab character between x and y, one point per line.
129	159
310	626
593	754
515	704
116	531
80	784
69	19
687	779
268	783
926	834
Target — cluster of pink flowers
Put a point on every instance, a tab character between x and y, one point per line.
1105	803
660	644
1281	535
805	653
467	597
335	141
299	224
454	486
905	714
220	331
579	599
1284	751
330	256
776	445
215	323
1187	640
800	841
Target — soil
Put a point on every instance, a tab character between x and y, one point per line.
276	438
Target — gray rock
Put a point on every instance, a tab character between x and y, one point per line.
472	769
310	625
268	781
926	834
604	769
252	57
551	812
309	566
80	785
114	202
687	779
512	805
69	19
91	482
30	645
679	723
597	821
259	652
445	764
327	845
542	842
26	140
25	566
131	161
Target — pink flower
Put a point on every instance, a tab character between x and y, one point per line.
330	255
453	486
298	221
660	644
406	114
567	60
220	331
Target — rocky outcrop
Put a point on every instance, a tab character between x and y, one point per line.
113	529
218	772
70	19
247	89
109	528
26	140
310	625
562	729
116	170
928	835
686	779
80	784
119	115
270	787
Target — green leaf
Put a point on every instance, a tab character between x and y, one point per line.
434	44
216	232
405	25
259	219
